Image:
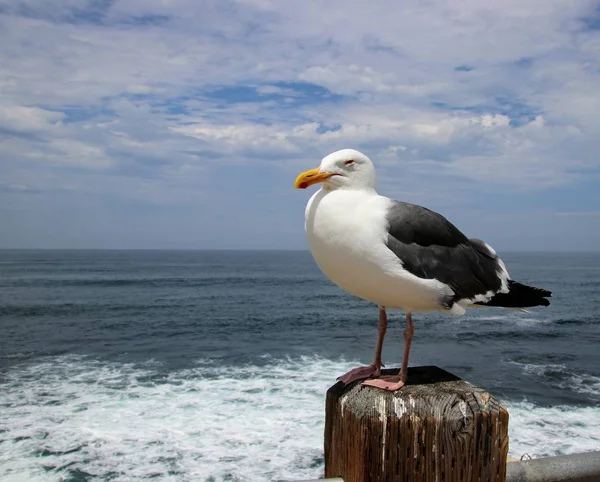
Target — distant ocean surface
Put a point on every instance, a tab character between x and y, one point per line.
213	365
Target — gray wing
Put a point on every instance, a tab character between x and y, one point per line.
431	247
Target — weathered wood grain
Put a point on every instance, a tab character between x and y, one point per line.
436	428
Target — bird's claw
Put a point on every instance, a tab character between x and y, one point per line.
360	373
391	383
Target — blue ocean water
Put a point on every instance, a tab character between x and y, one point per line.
213	365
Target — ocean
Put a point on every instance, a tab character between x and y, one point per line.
213	365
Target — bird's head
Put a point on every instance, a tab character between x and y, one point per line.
346	168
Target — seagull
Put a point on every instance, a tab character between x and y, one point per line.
398	255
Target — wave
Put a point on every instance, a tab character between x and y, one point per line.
556	430
72	417
186	282
563	377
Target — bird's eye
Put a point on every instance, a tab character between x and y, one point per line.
349	162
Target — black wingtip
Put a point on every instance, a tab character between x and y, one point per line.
520	296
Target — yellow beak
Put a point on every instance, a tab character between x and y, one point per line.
308	178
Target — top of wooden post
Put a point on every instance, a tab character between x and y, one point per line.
428	392
437	427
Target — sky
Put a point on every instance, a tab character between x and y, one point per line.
182	124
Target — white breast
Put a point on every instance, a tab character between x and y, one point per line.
346	231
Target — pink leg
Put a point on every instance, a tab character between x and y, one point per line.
373	370
396	382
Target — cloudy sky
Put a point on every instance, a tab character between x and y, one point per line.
183	123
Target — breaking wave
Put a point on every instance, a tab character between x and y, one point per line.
74	418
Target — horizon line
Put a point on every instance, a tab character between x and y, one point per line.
559	251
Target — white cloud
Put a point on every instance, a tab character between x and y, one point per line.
28	119
241	138
77	153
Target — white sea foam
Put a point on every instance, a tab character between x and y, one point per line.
515	318
212	423
545	431
507	317
568	379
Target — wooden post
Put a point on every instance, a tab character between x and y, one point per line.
436	428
